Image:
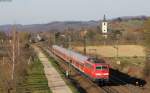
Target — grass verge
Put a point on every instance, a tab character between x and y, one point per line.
36	81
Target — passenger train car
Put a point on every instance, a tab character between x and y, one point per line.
95	69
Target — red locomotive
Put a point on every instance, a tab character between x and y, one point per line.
95	69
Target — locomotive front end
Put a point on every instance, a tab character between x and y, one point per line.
102	72
100	69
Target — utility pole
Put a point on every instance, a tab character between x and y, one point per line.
13	54
68	71
85	31
84	45
116	47
3	60
49	41
54	39
94	52
18	43
117	50
69	41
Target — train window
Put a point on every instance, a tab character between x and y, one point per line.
104	67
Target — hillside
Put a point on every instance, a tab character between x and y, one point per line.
53	26
117	23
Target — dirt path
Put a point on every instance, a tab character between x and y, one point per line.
55	82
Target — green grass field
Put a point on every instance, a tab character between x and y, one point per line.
36	81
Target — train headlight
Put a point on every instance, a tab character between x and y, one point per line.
105	74
98	74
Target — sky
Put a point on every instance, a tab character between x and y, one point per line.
45	11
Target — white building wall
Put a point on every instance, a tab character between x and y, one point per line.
104	27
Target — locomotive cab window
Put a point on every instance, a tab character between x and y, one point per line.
101	67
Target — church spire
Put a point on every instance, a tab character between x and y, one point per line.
104	18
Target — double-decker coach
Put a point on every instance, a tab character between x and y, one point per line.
95	69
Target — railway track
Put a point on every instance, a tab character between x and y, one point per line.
125	86
85	85
109	90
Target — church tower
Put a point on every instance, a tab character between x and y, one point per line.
104	26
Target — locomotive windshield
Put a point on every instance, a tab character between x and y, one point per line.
101	67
